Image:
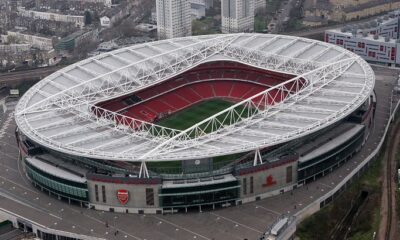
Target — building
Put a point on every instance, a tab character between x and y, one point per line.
207	3
112	152
319	12
14	53
237	16
77	39
197	10
173	18
14	48
376	41
113	15
259	4
107	3
55	28
35	40
105	22
78	20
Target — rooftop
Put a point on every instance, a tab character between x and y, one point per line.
57	112
332	143
55	171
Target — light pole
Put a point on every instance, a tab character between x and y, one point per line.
115	225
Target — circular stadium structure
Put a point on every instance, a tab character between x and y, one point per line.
205	121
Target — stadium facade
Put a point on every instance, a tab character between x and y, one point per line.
141	129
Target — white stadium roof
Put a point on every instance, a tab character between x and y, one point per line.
58	111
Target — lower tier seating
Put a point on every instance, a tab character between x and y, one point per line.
224	79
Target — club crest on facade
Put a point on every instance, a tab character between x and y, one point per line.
269	181
123	196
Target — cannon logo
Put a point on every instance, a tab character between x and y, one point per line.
269	181
123	196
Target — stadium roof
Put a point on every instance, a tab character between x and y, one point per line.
58	111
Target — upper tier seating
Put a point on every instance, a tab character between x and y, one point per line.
191	94
229	80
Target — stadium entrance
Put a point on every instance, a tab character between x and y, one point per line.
212	192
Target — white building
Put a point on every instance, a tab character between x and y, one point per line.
377	41
173	18
78	20
105	21
39	42
14	48
197	10
258	4
107	3
207	3
237	16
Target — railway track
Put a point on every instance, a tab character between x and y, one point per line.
391	219
27	74
388	227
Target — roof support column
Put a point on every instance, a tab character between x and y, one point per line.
257	158
143	173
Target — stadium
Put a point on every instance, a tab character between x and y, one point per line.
195	123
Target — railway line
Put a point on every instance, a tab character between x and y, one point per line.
391	217
388	228
32	74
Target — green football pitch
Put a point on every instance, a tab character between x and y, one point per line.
187	118
192	115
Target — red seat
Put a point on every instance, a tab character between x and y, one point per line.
114	106
203	90
206	81
188	94
204	76
229	74
253	91
222	88
216	74
172	99
239	89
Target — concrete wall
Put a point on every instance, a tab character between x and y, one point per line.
137	197
263	188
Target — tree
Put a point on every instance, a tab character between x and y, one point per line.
88	18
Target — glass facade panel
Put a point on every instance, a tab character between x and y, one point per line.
251	184
96	192
58	186
244	186
199	195
329	159
103	191
150	196
289	175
